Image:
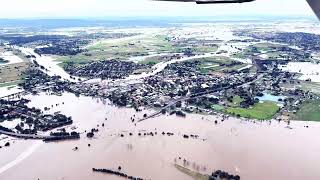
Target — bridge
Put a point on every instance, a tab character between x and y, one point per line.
198	95
13	95
193	96
24	136
40	137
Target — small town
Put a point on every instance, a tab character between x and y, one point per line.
196	98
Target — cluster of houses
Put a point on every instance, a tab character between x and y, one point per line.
178	83
108	69
32	119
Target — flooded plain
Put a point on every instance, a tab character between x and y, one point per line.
10	57
52	67
251	149
308	70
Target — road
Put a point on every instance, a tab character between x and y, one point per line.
198	95
41	88
25	136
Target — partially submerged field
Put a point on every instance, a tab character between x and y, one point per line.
261	111
122	49
309	111
146	42
11	72
218	64
265	50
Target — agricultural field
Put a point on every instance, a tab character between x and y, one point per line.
266	46
218	108
236	101
265	49
121	49
218	64
309	111
201	48
12	74
260	111
140	45
310	86
150	61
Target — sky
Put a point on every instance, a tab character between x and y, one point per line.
127	8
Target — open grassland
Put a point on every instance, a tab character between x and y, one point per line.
236	101
14	52
308	86
13	72
309	111
218	64
150	61
122	49
268	48
204	49
221	60
217	107
148	43
260	111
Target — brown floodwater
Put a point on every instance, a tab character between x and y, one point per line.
252	150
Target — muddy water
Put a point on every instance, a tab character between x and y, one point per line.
252	150
52	66
307	69
9	56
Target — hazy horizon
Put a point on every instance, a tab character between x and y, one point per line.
21	9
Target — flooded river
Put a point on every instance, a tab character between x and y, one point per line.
252	150
48	62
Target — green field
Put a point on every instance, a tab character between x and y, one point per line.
216	64
240	55
309	86
217	107
236	101
207	65
260	111
204	49
155	43
121	49
12	72
259	48
309	111
150	61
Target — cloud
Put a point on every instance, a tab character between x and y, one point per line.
102	8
